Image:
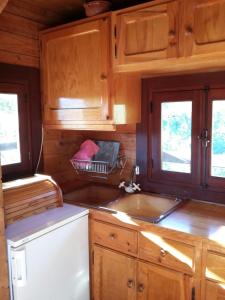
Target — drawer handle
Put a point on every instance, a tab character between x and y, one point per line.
130	283
163	252
112	236
141	288
188	30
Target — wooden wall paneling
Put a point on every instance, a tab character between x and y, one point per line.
4	291
17	25
19	30
59	147
31	11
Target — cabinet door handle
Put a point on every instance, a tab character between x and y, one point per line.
112	236
141	287
193	294
172	33
103	77
130	283
188	30
163	252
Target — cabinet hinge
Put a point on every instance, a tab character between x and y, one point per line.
150	107
40	46
193	294
26	98
115	32
115	51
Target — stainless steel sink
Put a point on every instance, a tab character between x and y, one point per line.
148	207
144	206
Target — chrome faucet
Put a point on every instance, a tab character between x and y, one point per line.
131	187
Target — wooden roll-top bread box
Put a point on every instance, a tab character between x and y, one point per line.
29	196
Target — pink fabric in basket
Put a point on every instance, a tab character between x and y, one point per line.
87	150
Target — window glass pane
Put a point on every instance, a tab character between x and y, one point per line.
9	129
218	139
176	128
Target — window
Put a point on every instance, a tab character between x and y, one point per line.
20	121
9	129
15	145
181	142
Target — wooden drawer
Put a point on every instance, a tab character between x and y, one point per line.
215	266
163	251
124	240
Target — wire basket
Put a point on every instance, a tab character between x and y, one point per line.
99	169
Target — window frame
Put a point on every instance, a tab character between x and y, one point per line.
155	123
211	190
27	82
24	132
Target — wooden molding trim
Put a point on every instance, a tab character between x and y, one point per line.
3	4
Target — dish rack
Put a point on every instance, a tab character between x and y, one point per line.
100	169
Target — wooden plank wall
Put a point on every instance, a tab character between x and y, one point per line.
4	292
20	23
59	147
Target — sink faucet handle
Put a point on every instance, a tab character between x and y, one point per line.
122	184
136	187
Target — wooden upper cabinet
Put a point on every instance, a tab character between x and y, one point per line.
75	65
204	23
114	275
149	33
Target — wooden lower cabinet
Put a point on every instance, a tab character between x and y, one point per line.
113	275
120	277
158	283
213	271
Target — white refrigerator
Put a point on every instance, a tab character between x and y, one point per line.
48	255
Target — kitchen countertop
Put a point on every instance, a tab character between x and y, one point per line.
195	218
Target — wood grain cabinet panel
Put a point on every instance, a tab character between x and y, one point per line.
213	275
75	64
156	283
215	267
146	34
204	23
114	275
115	237
160	250
214	291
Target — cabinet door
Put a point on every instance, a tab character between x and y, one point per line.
214	291
113	276
147	34
204	24
214	275
156	283
75	70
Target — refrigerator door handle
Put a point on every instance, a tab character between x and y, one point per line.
19	270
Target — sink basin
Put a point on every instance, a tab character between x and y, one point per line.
93	195
145	206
